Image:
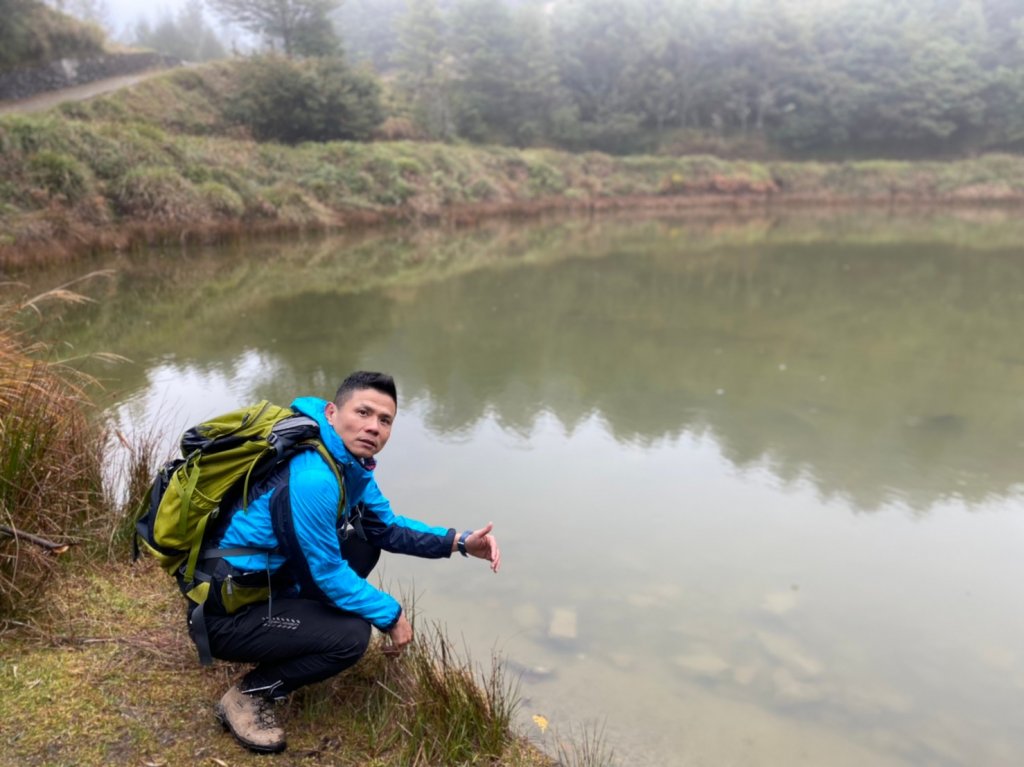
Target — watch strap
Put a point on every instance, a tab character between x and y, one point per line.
462	542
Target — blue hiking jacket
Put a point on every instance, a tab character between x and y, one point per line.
295	514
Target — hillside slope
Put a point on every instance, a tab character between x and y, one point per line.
164	161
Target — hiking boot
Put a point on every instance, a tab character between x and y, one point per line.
251	720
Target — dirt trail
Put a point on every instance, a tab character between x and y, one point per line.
50	99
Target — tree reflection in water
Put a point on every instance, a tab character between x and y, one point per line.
879	359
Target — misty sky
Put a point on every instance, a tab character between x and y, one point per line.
122	15
123	12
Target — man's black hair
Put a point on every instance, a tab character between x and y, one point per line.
365	379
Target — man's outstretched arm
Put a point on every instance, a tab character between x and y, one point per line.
478	543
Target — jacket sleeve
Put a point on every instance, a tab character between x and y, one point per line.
399	534
304	512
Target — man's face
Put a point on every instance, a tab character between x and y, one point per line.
363	421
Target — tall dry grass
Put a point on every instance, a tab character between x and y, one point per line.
133	464
430	705
454	716
51	456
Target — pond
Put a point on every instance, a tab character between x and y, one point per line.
757	481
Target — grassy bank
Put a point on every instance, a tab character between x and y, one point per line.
112	678
162	162
97	668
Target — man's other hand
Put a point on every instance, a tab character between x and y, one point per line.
400	635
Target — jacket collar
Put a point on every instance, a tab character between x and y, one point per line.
314	407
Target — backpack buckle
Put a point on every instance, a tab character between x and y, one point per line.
274	441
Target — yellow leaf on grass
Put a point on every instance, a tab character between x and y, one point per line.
541	722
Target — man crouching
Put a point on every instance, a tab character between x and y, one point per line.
317	620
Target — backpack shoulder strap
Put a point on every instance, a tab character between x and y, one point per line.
332	464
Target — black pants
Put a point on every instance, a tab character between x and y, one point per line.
300	642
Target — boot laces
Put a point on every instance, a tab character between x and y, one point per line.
265	715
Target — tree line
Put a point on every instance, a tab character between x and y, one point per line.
921	77
755	77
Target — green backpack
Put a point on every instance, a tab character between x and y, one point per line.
221	459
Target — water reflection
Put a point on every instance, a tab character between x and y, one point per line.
880	375
880	372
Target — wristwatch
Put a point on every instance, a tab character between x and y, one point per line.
462	542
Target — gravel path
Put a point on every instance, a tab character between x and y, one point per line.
51	99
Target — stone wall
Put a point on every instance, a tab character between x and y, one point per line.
65	73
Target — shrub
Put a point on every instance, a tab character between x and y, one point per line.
196	173
313	100
409	167
9	192
286	203
482	190
334	183
247	191
188	79
545	179
394	193
398	129
59	174
96	109
359	182
28	134
615	133
382	168
157	193
114	149
800	178
222	201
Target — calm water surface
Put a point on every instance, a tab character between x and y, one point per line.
758	484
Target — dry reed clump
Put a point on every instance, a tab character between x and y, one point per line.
424	707
453	717
133	463
51	493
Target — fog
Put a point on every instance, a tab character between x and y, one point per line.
119	17
828	79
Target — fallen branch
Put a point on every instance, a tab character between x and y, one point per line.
53	548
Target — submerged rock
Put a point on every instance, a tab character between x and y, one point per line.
789	653
866	697
703	664
622	660
744	675
563	624
529	673
780	602
789	688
